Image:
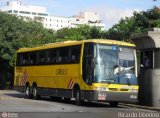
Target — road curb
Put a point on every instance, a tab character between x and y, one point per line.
140	106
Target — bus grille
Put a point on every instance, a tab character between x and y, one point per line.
113	89
116	89
124	89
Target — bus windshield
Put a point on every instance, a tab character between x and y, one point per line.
115	65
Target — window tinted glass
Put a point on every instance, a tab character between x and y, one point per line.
25	58
42	57
63	55
33	58
75	54
51	56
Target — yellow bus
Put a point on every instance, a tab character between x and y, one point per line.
87	70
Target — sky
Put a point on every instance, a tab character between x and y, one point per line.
111	11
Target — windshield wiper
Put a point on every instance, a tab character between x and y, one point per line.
108	81
103	81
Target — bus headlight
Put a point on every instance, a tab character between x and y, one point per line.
134	90
101	89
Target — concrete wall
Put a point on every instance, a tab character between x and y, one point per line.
149	91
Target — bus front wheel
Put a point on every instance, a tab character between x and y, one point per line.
67	99
78	97
113	104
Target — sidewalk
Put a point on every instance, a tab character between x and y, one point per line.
141	106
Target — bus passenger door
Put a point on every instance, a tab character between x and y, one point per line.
87	63
147	59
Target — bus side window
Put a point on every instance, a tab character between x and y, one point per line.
62	55
57	57
75	54
42	57
52	56
33	58
73	58
25	59
19	59
65	55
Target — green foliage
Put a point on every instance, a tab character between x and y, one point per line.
90	32
16	33
122	30
69	34
82	32
158	23
147	20
139	22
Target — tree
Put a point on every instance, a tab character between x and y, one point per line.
147	19
91	32
139	22
122	30
82	32
16	33
69	34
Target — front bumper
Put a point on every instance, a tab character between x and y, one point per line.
115	96
107	96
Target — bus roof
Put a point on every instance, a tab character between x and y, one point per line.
68	43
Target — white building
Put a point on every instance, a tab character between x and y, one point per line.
51	22
54	22
17	7
87	17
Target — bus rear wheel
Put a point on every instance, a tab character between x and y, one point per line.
34	93
27	92
113	104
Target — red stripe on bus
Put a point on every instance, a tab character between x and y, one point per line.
24	78
69	83
72	85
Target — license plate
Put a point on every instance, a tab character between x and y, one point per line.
101	96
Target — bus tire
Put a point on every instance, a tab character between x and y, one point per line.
27	92
34	93
67	99
78	101
113	104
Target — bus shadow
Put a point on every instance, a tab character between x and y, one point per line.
84	104
61	100
16	95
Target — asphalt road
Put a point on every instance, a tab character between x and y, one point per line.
14	104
